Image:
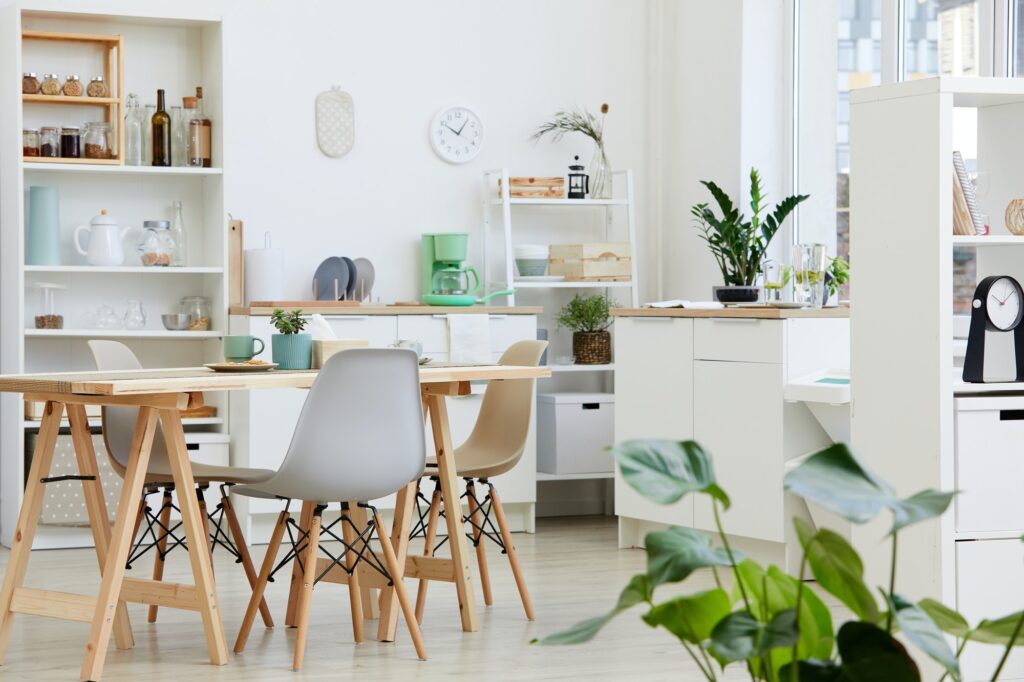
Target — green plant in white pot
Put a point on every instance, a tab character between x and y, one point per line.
290	348
739	244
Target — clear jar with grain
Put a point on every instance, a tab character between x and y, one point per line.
198	310
50	84
97	87
29	84
72	86
49	142
96	140
30	142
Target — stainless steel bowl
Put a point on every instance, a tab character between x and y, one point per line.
175	322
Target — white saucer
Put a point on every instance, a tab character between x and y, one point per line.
540	278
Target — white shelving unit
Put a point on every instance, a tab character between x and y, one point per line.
618	217
904	388
175	53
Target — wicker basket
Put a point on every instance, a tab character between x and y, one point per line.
592	348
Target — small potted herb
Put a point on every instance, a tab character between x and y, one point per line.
290	348
589	318
837	274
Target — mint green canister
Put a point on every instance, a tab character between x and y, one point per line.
42	239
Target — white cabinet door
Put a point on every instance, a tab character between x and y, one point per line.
380	330
989	584
740	339
738	420
653	399
989	432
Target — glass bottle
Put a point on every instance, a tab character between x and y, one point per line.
135	316
132	132
199	136
161	133
180	255
189	105
179	137
146	123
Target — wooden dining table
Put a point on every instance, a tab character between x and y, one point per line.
160	396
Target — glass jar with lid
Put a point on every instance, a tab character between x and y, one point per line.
50	84
198	310
30	142
49	142
156	246
97	87
70	147
96	140
29	83
49	316
72	86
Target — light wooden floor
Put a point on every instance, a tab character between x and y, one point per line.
574	572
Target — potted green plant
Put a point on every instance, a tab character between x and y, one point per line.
837	274
771	623
589	318
290	348
739	244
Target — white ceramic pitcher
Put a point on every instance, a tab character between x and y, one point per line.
105	240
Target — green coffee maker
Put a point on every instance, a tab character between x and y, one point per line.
446	280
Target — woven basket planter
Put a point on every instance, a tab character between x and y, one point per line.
592	348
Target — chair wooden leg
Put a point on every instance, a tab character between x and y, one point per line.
396	572
306	595
161	547
355	594
513	560
243	552
370	596
261	582
305	517
476	518
428	550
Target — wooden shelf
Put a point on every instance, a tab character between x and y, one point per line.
97	166
65	36
988	240
562	202
122	334
56	162
63	99
124	269
571	285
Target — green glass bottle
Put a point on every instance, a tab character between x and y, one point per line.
161	133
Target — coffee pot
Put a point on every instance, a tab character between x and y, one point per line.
105	241
454	280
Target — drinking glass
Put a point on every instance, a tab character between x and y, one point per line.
773	273
809	262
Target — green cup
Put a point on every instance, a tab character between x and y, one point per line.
241	348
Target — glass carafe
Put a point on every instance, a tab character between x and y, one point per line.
135	316
455	281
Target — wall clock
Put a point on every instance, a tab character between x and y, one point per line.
997	306
457	134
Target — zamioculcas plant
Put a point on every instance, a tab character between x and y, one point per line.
771	623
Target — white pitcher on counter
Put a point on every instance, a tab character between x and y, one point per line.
105	240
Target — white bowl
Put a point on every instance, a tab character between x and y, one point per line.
531	251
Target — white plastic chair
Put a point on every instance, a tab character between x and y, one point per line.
118	430
359	437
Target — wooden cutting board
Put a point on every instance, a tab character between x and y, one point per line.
236	263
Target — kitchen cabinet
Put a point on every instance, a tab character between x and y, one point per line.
263	421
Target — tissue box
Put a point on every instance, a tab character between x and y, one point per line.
326	348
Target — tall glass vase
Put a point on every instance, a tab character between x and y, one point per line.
600	175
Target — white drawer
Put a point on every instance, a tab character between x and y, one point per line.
738	339
989	458
989	582
380	330
430	330
507	329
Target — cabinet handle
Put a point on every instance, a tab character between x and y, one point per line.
440	317
498	316
347	317
1011	415
652	319
735	320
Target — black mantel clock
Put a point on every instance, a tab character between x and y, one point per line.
997	306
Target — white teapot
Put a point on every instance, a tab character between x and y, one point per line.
105	240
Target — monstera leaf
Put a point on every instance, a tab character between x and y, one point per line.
664	471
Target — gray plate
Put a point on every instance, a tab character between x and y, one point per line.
364	278
331	270
350	290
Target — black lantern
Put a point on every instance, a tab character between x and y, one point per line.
579	182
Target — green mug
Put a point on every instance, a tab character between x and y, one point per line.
241	348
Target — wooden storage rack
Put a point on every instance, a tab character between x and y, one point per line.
113	107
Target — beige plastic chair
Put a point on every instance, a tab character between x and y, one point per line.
118	430
493	448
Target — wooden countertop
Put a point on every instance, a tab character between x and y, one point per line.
747	313
397	310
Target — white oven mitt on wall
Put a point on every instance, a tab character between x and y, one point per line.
335	122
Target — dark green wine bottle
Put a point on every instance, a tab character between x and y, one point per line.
161	133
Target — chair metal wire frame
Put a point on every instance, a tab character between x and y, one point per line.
477	531
159	533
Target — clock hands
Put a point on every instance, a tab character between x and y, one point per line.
445	124
459	131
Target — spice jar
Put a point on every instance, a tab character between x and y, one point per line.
96	140
156	246
48	317
49	142
30	142
72	86
198	310
50	84
29	84
69	143
97	87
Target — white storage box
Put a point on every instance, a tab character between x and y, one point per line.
574	431
989	454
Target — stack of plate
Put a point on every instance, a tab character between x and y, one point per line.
343	279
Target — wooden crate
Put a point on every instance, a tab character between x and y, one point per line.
534	188
596	262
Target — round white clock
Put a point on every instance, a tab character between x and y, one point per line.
457	134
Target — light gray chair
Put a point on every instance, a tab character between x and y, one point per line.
359	437
159	535
494	447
